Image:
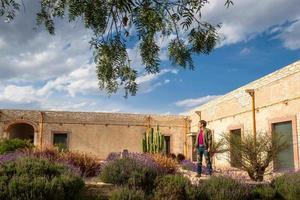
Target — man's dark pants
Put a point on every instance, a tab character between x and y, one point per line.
203	152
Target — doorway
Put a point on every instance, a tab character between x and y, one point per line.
235	157
22	131
284	160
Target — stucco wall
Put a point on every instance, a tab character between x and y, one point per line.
96	133
277	98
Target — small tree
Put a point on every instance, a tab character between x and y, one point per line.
218	147
255	158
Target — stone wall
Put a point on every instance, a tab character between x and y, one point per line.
277	98
96	133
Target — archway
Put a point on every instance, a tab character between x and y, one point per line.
22	131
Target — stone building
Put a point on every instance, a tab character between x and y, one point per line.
277	109
88	132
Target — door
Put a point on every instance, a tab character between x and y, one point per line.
235	156
284	159
194	154
167	146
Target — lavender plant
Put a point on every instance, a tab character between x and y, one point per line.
189	165
143	160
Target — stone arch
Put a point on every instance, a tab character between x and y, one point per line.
22	129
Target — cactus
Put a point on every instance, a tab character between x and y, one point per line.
153	141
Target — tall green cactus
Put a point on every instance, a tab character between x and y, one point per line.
153	142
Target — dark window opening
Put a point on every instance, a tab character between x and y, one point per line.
60	140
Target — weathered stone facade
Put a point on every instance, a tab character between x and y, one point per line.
96	133
277	97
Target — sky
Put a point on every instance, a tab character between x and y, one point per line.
43	72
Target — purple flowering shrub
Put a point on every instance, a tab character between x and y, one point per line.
142	159
12	156
84	165
136	170
35	178
221	187
189	165
15	156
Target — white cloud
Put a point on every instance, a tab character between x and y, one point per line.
245	51
291	36
195	102
82	80
2	43
248	18
31	56
167	81
25	94
68	106
146	83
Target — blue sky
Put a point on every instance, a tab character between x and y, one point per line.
39	71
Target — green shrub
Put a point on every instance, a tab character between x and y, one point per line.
287	186
127	171
125	193
265	192
61	147
10	145
220	188
172	187
90	192
118	172
32	178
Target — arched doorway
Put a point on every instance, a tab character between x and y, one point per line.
22	131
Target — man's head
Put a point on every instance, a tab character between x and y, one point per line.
202	123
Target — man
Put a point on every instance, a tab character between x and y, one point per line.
203	146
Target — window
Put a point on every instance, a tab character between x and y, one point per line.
235	158
284	159
60	140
